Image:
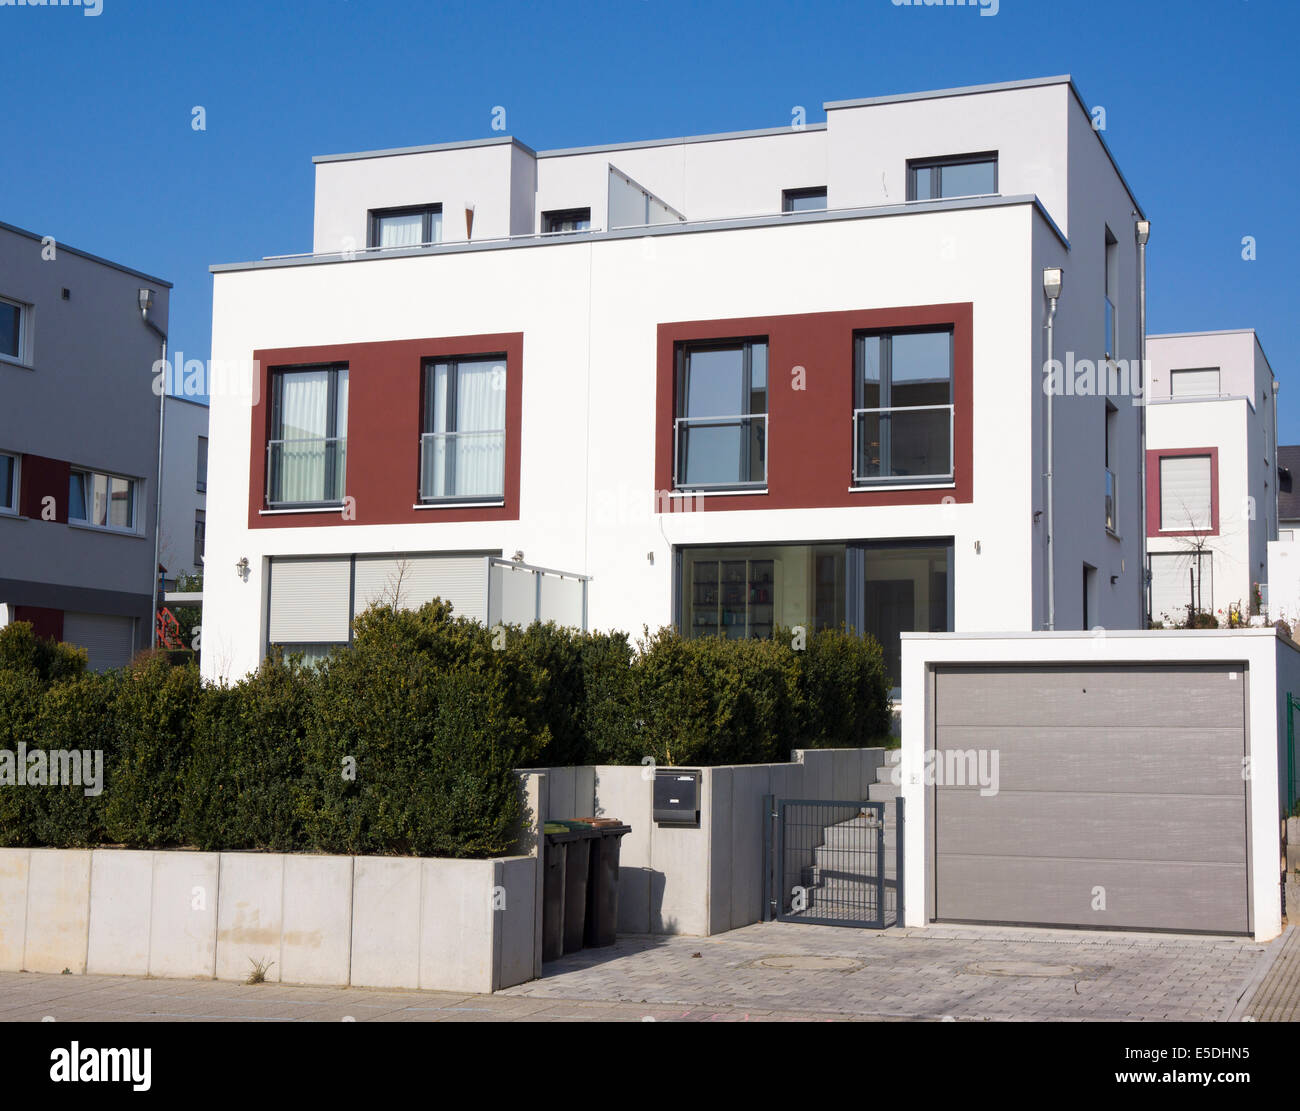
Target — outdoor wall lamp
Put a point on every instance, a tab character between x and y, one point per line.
1053	277
146	300
241	569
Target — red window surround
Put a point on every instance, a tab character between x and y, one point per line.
810	432
46	623
1154	455
383	433
39	478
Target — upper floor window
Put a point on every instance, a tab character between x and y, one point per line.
721	419
1112	455
201	466
463	448
200	536
1112	284
903	407
307	453
13	331
803	200
1186	493
102	500
569	219
964	175
8	483
1202	382
406	227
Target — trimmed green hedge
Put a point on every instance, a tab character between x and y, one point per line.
408	741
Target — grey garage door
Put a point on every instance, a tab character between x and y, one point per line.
1120	797
109	641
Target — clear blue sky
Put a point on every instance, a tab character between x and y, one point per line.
98	148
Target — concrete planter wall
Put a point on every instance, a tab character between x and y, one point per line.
708	880
394	922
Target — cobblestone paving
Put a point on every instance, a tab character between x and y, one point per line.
772	972
961	973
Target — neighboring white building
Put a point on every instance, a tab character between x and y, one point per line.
185	485
1212	481
742	381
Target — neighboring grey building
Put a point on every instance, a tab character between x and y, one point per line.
185	484
78	445
1288	498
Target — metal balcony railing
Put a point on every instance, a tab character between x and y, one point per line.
903	444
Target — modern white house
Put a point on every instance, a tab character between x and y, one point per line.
184	492
78	444
733	382
1212	473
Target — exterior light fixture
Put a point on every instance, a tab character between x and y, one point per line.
146	299
241	568
1143	232
1053	276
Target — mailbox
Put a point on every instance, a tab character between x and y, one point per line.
677	797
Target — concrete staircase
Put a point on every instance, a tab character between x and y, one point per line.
840	878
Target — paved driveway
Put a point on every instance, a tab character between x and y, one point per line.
969	973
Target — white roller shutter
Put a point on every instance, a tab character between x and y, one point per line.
1176	578
1185	501
413	580
109	640
309	601
1194	383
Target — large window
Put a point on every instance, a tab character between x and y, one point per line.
967	175
307	452
406	227
903	407
566	220
8	483
721	423
1186	493
13	331
882	588
803	200
102	500
463	447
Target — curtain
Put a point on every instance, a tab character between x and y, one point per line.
401	231
481	412
304	420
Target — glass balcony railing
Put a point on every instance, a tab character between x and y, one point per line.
463	465
903	444
303	472
720	452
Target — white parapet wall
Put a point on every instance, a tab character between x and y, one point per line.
394	922
708	879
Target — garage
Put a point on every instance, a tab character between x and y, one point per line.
1125	781
109	640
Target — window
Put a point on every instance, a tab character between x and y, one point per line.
803	200
8	483
200	535
1202	382
307	452
102	500
1186	502
907	588
406	227
1112	451
1112	283
721	425
463	448
967	175
903	407
13	331
201	479
1089	596
567	220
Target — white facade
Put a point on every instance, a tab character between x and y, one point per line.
184	487
1211	400
590	308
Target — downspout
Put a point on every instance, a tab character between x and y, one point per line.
146	303
1047	473
1143	233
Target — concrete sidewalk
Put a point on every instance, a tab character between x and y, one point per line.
778	972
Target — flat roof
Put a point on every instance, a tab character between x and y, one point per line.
1220	332
463	144
960	90
783	219
86	255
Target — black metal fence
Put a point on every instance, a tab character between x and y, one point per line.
834	863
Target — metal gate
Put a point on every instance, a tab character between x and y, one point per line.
831	862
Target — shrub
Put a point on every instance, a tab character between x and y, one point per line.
843	691
48	660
